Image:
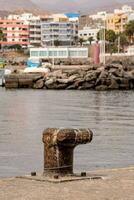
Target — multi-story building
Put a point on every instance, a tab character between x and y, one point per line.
116	22
16	29
57	31
35	32
16	32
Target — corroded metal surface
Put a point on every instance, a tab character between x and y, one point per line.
58	148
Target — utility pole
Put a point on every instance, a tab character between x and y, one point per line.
53	46
103	44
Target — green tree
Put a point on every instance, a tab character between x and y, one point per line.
81	40
110	35
122	41
129	31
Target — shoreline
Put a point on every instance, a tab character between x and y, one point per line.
118	184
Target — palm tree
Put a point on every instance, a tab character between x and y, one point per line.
81	40
90	39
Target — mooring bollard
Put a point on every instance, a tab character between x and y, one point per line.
58	148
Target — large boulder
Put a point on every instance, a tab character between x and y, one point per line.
72	87
114	85
49	82
39	84
101	87
87	85
92	75
102	77
64	81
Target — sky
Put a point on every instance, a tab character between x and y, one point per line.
71	5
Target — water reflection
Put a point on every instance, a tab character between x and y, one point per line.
25	114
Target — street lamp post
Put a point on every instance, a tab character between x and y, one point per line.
103	44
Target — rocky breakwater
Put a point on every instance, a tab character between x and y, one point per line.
109	77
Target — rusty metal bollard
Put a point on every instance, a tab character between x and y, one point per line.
58	148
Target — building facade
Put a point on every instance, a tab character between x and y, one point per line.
88	32
15	32
116	22
35	32
58	52
61	32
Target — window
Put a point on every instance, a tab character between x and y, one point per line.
43	53
62	53
34	53
52	53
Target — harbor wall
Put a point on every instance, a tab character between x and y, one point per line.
113	76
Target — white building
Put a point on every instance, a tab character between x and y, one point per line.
59	52
63	32
25	17
35	32
100	15
88	32
124	10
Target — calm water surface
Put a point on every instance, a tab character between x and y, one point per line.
24	114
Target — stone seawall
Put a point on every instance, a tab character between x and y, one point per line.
109	77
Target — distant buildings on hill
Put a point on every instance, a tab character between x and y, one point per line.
61	29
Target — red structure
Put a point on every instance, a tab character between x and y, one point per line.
96	53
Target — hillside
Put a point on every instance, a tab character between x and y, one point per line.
81	5
11	5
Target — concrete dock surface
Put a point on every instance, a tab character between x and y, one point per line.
117	184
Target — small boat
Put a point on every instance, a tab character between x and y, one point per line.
35	65
33	62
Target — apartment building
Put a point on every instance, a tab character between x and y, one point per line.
57	31
60	29
116	22
24	29
16	31
35	32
